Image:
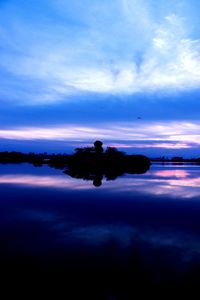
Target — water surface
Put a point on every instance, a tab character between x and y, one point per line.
140	232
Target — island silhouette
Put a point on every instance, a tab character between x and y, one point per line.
93	163
88	163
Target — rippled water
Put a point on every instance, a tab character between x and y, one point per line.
139	232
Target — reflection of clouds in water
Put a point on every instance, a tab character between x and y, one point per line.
126	238
170	180
173	182
101	234
50	220
123	236
172	173
42	216
183	189
59	181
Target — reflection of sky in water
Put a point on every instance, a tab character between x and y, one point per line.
125	237
43	209
175	181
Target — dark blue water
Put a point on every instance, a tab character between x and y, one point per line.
136	234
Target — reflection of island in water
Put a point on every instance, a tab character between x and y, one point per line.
89	163
93	163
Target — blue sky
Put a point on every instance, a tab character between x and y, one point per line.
125	71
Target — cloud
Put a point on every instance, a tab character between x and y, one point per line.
168	135
119	48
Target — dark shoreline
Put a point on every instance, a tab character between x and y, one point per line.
86	163
45	158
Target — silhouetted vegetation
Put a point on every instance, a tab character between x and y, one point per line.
94	163
35	159
176	159
91	156
89	163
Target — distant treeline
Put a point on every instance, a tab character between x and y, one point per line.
175	159
45	158
89	163
35	159
92	163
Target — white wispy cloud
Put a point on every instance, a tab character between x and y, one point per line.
174	135
114	48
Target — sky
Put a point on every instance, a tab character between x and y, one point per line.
126	72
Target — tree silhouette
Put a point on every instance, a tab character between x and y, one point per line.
98	147
97	181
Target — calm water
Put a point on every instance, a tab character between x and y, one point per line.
133	234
